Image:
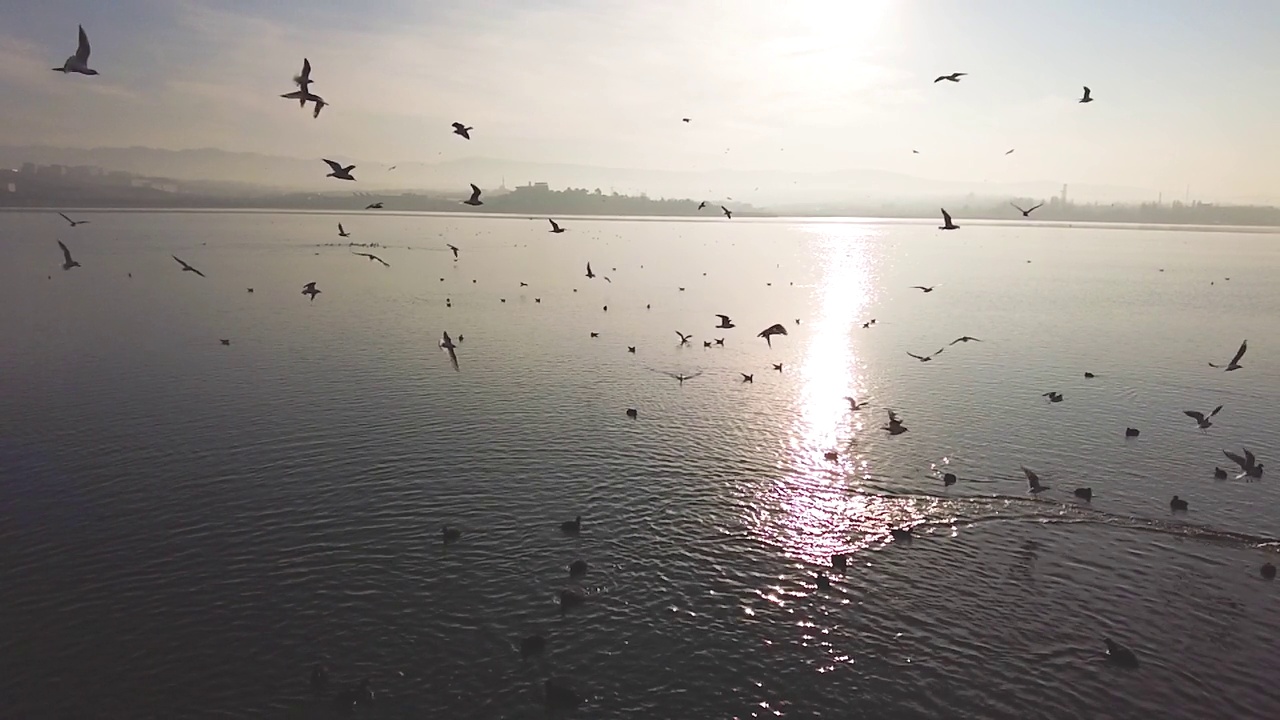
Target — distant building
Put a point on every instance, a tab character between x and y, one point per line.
539	187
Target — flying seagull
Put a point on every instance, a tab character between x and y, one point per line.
447	344
1033	481
371	256
303	79
74	222
1087	98
319	105
67	262
686	119
474	200
186	267
854	405
725	322
341	232
769	332
1028	211
310	289
926	358
946	221
1053	395
1249	464
463	130
78	63
339	172
684	339
953	77
1201	419
554	227
589	273
682	377
748	378
964	339
702	204
726	212
373	206
454	248
1235	361
923	288
895	426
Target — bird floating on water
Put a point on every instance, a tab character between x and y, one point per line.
74	222
769	332
1248	464
572	527
339	172
1219	473
1028	211
310	289
953	77
67	262
1235	361
1084	493
474	200
1177	504
1131	432
78	63
447	345
946	221
632	413
462	130
1202	420
725	322
948	479
532	645
371	256
555	228
1088	95
1053	396
186	267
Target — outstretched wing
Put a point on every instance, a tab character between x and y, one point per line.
1248	457
1024	212
66	254
475	191
554	226
82	50
1240	353
1215	411
1032	479
915	355
1194	415
1242	462
946	216
1033	207
333	165
724	319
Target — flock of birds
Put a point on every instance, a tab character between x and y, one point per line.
558	693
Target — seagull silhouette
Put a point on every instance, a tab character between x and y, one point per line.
747	378
895	426
224	341
373	206
946	221
310	289
589	273
1249	464
1087	98
720	342
777	366
447	345
1028	211
727	212
953	77
964	339
74	222
454	248
67	262
341	232
463	130
339	172
554	227
1033	481
1201	419
186	267
1235	361
303	79
78	63
371	256
769	332
1053	396
926	358
854	405
686	119
684	339
1009	151
923	288
725	322
474	200
631	349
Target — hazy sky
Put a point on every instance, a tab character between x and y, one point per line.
1185	89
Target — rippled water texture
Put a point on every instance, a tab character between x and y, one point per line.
186	527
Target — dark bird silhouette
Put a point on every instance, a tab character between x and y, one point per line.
684	339
310	289
249	289
706	343
589	273
702	204
1028	211
1089	376
78	63
1248	463
578	568
373	206
595	334
1201	419
224	341
303	79
339	172
948	479
747	378
1219	473
1085	494
67	262
554	227
725	322
840	561
631	349
1009	151
895	426
720	342
777	366
769	332
631	413
823	582
186	267
371	256
923	288
964	339
447	345
1131	432
686	119
953	77
1177	504
946	221
1120	655
1235	361
727	212
454	248
926	358
74	222
1053	396
342	232
1088	97
463	130
571	527
1033	481
474	200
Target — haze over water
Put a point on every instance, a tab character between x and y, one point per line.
187	527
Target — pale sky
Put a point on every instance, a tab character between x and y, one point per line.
1185	90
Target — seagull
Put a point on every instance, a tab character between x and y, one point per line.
474	200
373	206
1235	361
720	342
702	204
684	339
946	221
1028	211
1033	481
953	77
463	130
1249	464
769	332
224	341
923	288
1053	396
686	119
186	267
915	152
371	256
1201	419
554	227
447	344
854	404
78	63
303	79
67	262
895	426
682	377
319	105
964	339
595	334
706	343
339	172
631	349
926	358
725	322
571	527
454	248
1177	504
632	413
310	289
1084	493
341	232
777	366
726	212
589	273
74	222
747	378
1219	473
302	96
1010	151
1086	98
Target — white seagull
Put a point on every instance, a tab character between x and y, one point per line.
339	172
78	63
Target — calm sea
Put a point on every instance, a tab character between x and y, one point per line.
186	527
